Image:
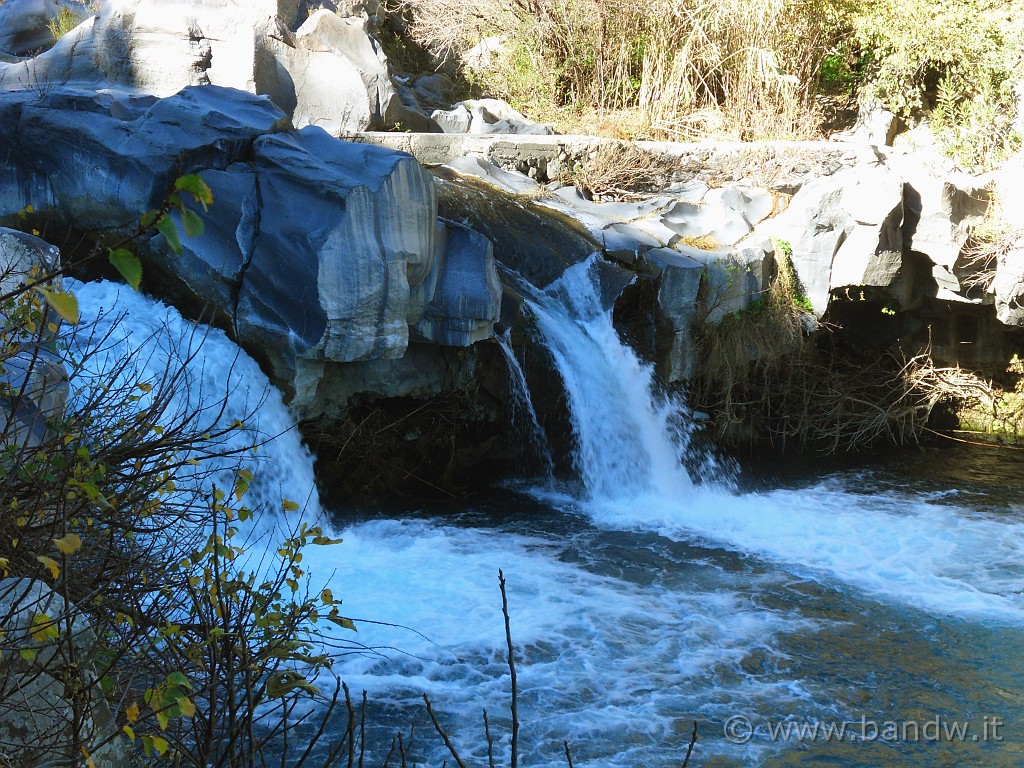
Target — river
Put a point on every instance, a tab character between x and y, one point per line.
803	615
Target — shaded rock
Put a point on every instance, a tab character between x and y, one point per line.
466	297
34	386
24	24
553	241
36	721
678	279
733	279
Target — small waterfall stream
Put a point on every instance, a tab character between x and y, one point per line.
522	404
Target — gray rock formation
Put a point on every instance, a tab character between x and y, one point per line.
487	116
678	278
25	24
329	71
316	250
33	381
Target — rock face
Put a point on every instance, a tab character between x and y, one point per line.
316	252
327	71
487	116
35	708
33	381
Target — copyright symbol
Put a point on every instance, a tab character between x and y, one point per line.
738	729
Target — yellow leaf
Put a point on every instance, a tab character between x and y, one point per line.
327	597
129	732
69	544
160	745
5	566
64	304
132	713
188	709
88	759
50	564
289	506
43	628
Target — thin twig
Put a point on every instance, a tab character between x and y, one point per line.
511	669
490	742
441	733
362	731
568	754
394	743
689	750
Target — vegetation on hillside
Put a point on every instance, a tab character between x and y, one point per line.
682	69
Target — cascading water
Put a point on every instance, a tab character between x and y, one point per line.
118	323
631	446
629	441
523	404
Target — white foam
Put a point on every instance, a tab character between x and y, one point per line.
602	661
117	322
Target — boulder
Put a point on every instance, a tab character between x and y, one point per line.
465	300
99	159
36	723
485	116
486	204
328	72
25	24
1008	286
331	74
815	225
678	278
34	386
874	125
316	250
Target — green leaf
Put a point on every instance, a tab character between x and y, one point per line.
191	222
285	682
27	654
179	679
128	264
195	184
167	228
64	304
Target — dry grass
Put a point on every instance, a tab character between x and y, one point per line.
685	68
991	240
621	172
763	378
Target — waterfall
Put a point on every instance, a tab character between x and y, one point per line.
633	447
522	404
630	439
120	324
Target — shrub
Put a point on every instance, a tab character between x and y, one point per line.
953	60
757	64
129	506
